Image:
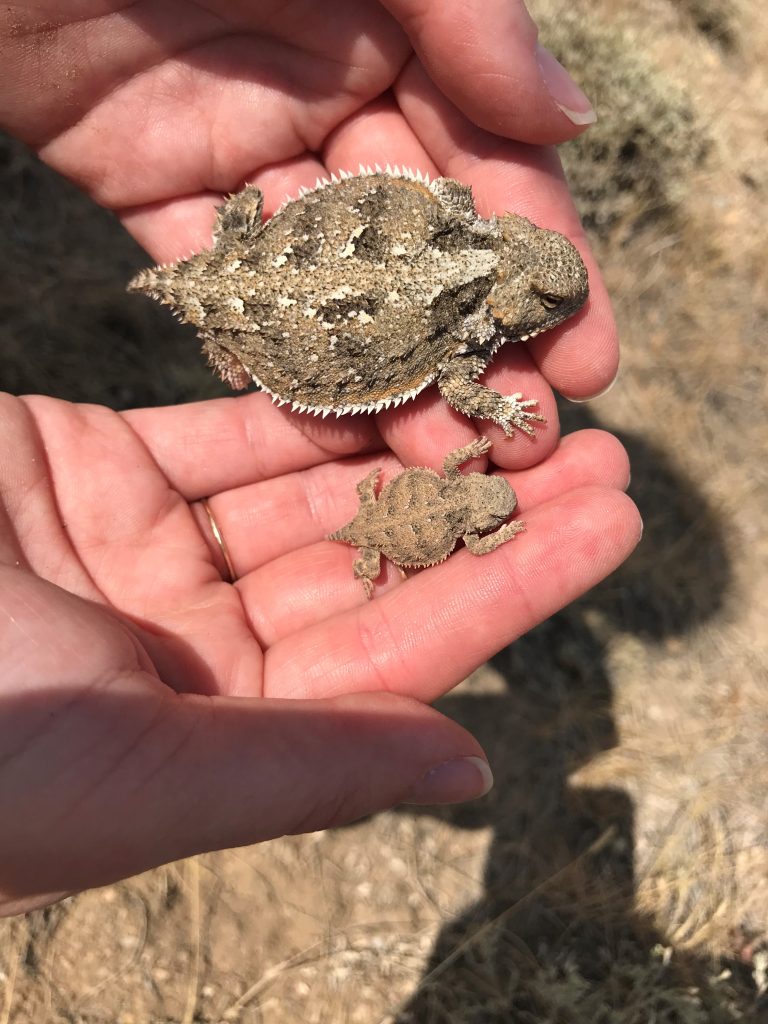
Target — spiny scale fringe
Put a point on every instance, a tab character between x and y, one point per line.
368	407
366	171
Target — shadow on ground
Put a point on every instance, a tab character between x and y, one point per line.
556	936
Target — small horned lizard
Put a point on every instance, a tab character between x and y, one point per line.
419	516
363	291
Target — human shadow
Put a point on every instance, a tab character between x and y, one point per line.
555	935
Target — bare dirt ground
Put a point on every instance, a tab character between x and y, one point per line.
618	873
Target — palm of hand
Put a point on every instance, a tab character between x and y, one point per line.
108	526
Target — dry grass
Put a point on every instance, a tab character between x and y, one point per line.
618	872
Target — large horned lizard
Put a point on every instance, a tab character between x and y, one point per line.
362	292
419	516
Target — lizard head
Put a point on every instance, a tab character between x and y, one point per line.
488	501
541	279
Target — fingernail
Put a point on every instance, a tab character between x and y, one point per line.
452	782
563	90
598	394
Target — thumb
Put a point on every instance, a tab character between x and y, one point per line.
485	57
292	766
190	774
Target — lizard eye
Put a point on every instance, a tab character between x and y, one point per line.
549	301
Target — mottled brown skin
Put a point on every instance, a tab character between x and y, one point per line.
361	293
419	516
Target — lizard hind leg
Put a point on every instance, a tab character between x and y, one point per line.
227	365
366	489
367	568
240	217
457	458
484	545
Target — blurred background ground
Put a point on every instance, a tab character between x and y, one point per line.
619	870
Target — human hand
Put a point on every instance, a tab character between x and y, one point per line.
158	110
151	710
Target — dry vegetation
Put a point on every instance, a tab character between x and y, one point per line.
618	874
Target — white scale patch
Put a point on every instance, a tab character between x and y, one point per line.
349	248
343	292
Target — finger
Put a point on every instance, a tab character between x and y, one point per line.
315	582
586	458
135	540
378	134
486	59
282	180
430	633
173	229
207	447
22	472
190	775
579	358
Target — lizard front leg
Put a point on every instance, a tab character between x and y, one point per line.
483	545
459	388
